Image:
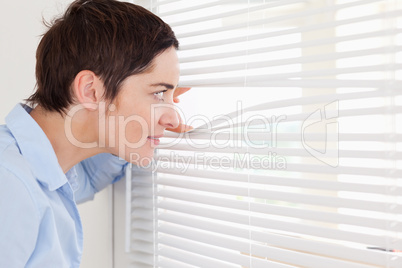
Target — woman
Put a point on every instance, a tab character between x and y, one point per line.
107	73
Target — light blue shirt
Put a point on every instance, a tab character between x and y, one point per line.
39	222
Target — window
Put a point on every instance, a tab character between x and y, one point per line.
296	158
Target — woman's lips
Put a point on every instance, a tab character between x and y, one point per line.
154	139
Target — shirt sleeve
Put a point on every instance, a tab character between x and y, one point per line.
19	221
97	172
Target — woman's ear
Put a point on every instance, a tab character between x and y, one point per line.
88	89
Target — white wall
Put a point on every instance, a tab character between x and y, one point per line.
20	30
97	221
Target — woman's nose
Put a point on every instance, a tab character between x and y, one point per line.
170	117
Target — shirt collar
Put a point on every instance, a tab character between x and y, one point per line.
72	177
35	147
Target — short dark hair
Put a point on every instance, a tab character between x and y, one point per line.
113	39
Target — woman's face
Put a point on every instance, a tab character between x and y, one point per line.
143	110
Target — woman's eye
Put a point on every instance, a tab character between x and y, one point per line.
159	95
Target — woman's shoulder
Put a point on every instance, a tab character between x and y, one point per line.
14	169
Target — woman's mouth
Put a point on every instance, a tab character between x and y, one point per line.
154	140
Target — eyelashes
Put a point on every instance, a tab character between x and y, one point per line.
159	95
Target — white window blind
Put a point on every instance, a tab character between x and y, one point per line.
296	156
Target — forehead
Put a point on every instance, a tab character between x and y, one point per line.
164	70
166	62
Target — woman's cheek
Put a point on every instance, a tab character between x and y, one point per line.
135	129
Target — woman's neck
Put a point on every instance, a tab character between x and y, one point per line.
73	138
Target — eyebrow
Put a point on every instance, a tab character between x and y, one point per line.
168	86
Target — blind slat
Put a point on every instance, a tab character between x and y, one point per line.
194	7
204	249
164	2
341	113
237	11
303	74
289	61
290	227
143	223
284	196
232	257
169	263
192	258
295	30
143	247
282	255
325	98
141	260
277	48
284	241
246	162
275	150
316	83
265	135
381	187
300	213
